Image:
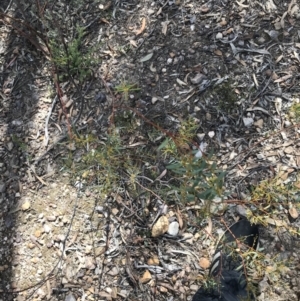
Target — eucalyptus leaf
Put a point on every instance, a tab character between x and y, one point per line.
146	58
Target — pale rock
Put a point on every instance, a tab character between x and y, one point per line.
201	136
173	228
154	100
248	121
219	36
211	134
160	227
204	263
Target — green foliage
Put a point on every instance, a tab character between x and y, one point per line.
125	88
226	96
70	58
295	111
198	178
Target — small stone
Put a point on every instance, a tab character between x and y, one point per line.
115	211
169	61
51	218
34	260
208	116
201	136
194	287
287	123
219	36
248	121
283	135
211	134
31	245
113	272
154	100
70	297
173	228
260	156
47	228
204	263
160	227
26	205
38	233
240	209
164	70
10	146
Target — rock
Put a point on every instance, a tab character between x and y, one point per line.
113	272
146	277
26	205
219	36
204	263
160	227
248	121
211	134
173	228
154	100
70	297
51	218
240	209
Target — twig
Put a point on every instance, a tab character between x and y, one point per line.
46	139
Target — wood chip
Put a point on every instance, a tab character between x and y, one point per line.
146	277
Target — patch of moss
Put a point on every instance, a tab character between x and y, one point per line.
226	95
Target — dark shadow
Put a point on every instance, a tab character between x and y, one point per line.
20	67
27	90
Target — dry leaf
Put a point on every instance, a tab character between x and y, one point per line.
160	227
276	222
133	43
204	9
142	27
179	218
153	261
146	277
218	52
204	263
208	228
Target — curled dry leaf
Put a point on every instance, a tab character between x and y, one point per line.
146	277
218	52
142	27
160	227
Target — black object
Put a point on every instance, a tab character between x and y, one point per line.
226	265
